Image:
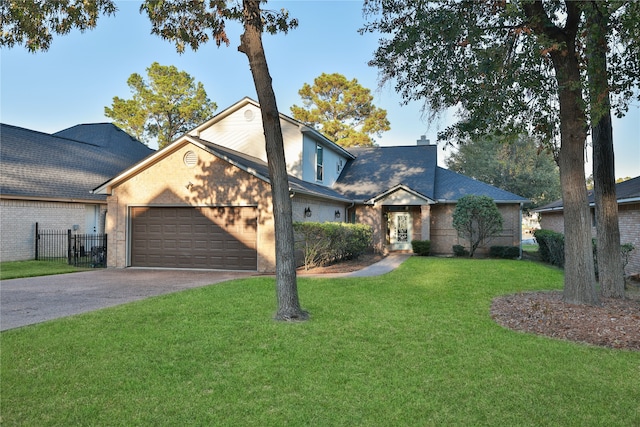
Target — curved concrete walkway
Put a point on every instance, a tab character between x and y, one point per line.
37	299
387	264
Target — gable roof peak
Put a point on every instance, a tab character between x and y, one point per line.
305	129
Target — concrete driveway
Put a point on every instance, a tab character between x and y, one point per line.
37	299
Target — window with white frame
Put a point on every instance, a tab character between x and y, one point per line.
319	163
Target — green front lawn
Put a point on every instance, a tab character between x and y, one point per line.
17	269
416	347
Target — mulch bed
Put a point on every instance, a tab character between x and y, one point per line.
614	324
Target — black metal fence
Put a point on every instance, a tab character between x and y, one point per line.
80	250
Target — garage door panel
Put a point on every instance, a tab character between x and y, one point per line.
219	238
200	228
185	229
169	245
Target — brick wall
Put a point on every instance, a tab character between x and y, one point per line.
440	230
444	236
553	221
628	220
170	182
372	216
18	222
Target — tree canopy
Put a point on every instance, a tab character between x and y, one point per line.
342	110
520	166
492	60
33	23
167	105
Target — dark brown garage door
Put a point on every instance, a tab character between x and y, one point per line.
217	238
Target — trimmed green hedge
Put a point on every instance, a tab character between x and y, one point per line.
421	247
324	242
550	247
459	250
505	252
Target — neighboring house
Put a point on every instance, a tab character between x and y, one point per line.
628	195
204	201
47	179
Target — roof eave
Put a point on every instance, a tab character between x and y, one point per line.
591	205
52	199
294	191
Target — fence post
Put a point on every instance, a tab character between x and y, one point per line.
37	239
104	243
69	246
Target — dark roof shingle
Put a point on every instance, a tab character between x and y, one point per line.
376	170
628	190
43	166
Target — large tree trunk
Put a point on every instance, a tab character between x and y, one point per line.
579	275
286	281
610	270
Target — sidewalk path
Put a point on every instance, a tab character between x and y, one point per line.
389	263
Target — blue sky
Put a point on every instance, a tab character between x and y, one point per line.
81	73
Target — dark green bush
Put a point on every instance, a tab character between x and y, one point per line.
512	252
324	242
459	250
421	247
506	252
550	247
496	251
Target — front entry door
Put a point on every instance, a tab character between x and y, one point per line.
400	230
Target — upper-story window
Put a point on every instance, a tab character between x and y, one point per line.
319	163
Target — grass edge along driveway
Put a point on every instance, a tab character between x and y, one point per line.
414	347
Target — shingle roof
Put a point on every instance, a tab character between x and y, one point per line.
110	137
43	166
378	169
451	186
626	191
629	189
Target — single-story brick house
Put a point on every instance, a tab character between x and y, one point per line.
204	200
48	178
628	195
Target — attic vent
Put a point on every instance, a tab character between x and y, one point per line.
248	115
190	159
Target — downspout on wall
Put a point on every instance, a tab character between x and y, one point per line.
520	232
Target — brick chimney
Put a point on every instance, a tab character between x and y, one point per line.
423	140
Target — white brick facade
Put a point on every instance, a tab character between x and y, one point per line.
19	218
